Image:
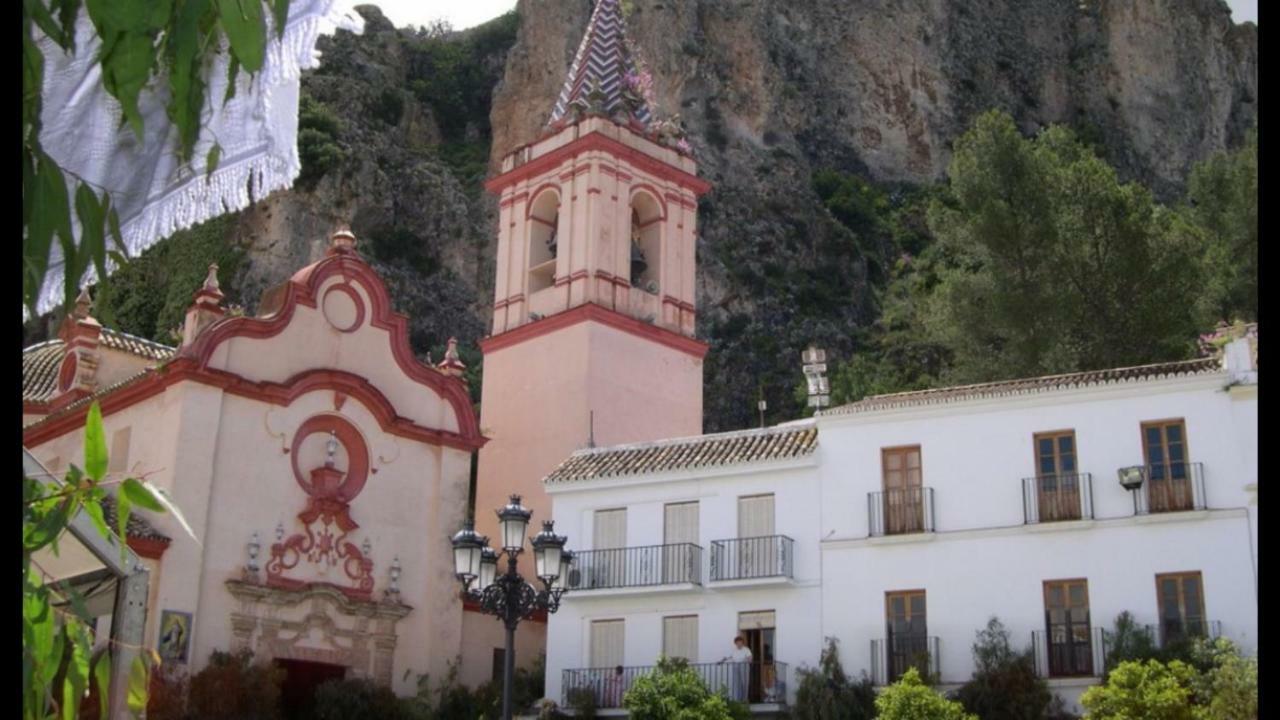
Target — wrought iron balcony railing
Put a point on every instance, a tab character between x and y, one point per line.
901	511
1051	498
636	567
750	558
755	682
892	656
1069	650
1170	487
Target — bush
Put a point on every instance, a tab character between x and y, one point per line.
1149	690
1004	684
826	693
359	699
233	687
674	692
583	702
911	699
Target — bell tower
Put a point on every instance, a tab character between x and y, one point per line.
594	302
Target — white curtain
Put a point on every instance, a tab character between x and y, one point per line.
607	649
681	524
680	637
755	516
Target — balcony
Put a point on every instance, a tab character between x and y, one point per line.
900	512
1173	631
1171	487
754	683
1055	498
891	657
752	559
1069	650
637	567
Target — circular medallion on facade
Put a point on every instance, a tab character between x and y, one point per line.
343	308
67	373
311	452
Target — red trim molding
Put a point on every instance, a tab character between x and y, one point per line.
597	141
151	548
604	316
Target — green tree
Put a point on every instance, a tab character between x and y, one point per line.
826	693
1005	685
911	699
1053	264
1129	641
1226	686
1222	197
673	691
1151	690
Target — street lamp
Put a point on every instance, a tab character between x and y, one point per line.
508	596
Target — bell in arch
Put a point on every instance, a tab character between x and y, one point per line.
638	263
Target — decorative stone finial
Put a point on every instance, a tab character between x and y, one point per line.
343	240
83	303
211	280
452	365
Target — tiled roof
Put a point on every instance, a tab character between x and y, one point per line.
600	67
1027	386
721	449
40	362
136	526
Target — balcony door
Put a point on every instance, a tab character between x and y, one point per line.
608	567
1164	445
903	491
755	521
680	529
1181	599
1057	481
1070	649
906	633
759	629
606	654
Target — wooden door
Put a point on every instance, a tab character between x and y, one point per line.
903	490
1057	481
759	630
906	633
1181	600
1067	630
1164	445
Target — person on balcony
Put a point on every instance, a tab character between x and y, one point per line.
613	689
739	672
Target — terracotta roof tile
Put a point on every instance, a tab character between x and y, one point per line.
1027	386
722	449
40	362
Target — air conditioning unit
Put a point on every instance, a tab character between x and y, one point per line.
1131	477
575	578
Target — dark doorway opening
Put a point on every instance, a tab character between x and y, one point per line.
298	692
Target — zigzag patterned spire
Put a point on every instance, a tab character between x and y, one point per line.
597	78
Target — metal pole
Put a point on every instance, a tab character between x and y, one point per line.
513	613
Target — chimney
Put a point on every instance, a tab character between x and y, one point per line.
205	309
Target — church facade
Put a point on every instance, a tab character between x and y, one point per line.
320	466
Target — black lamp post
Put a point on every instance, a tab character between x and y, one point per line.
508	596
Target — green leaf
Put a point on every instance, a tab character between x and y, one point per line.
141	495
211	160
126	67
67	12
233	69
137	697
102	676
40	14
243	23
281	16
76	680
95	444
50	215
113	220
93	508
93	241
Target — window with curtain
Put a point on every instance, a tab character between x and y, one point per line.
680	637
607	643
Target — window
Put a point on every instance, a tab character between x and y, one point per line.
1066	610
544	218
906	633
680	637
1057	481
499	664
606	643
680	530
606	565
1181	600
1164	444
903	492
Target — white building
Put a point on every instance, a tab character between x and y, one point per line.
899	524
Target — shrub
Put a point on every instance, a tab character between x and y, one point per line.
358	699
911	699
233	687
583	702
674	692
826	693
1004	684
1151	690
1226	686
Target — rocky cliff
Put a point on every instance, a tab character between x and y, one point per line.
401	126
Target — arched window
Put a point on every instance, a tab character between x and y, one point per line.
543	241
646	242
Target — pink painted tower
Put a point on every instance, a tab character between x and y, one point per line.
593	319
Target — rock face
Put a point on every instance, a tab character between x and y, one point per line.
772	90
